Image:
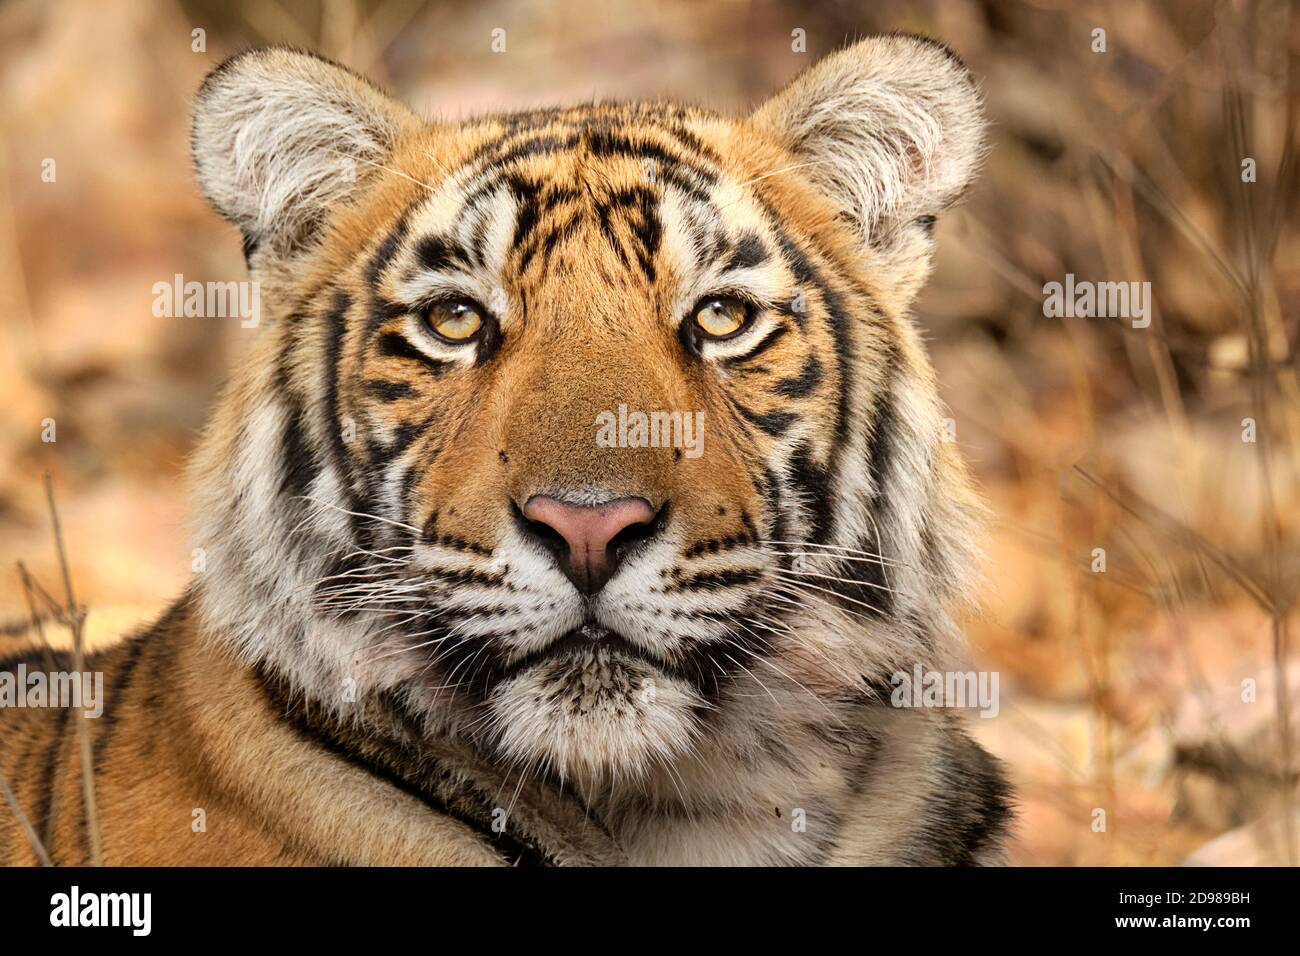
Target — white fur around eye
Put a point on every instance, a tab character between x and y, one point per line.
417	332
758	329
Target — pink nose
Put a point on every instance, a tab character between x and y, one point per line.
589	533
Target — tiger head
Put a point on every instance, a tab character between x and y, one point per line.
598	437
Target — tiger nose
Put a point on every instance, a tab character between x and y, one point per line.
589	540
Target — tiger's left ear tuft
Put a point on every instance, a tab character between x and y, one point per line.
892	129
281	138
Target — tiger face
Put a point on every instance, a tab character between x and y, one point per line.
598	437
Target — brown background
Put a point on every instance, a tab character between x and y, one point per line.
1121	691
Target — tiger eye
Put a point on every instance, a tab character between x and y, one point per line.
455	321
720	318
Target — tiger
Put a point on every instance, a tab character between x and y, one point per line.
578	500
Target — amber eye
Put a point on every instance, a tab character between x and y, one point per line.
455	321
721	317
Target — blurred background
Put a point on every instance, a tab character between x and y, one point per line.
1149	710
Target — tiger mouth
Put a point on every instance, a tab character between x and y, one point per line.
589	638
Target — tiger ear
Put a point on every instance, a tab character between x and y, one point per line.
891	127
281	136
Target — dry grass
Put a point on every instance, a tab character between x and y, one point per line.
1122	690
73	617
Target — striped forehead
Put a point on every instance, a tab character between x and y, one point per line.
531	190
457	242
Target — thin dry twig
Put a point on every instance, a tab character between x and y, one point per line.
29	591
12	799
77	617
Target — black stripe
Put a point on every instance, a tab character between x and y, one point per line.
814	483
864	582
716	580
522	149
525	193
157	667
748	253
639	208
324	733
299	466
556	195
649	233
838	320
107	722
387	391
467	575
775	424
694	145
555	236
967	812
404	435
43	820
884	428
804	276
387	250
35	658
603	213
547	243
478	234
395	345
336	322
763	345
380	309
436	253
804	383
410	480
608	142
769	487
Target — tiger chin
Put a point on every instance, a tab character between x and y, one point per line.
438	621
